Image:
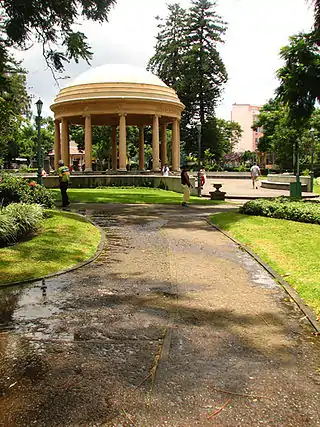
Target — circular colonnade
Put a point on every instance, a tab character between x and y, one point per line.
118	96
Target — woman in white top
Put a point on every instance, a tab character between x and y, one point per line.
165	170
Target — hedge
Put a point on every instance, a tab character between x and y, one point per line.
284	208
19	220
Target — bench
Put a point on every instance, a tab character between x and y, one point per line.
217	194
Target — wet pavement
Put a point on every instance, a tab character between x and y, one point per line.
169	324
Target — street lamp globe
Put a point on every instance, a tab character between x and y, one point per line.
39	105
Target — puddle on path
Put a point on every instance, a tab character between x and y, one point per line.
258	275
29	303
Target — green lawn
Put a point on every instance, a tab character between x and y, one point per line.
290	248
65	240
131	195
316	188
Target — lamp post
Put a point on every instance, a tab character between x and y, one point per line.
312	158
39	105
198	126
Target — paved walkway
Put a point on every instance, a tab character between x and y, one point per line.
169	324
242	188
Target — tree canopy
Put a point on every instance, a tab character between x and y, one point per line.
279	136
50	23
14	104
299	87
187	57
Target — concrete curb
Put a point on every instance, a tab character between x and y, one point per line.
68	270
312	318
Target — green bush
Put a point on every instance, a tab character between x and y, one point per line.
27	169
242	168
8	232
284	208
19	220
16	189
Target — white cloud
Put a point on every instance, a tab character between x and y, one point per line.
257	29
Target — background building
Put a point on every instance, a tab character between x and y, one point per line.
245	115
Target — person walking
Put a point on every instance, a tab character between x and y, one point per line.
255	172
203	177
185	182
64	178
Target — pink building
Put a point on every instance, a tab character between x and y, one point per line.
245	115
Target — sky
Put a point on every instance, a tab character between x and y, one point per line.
257	29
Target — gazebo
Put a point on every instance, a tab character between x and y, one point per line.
118	96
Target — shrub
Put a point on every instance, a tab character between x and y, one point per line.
8	232
40	195
27	169
19	220
284	208
15	189
242	168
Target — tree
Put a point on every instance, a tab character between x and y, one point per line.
187	58
205	72
50	23
299	87
101	145
14	104
26	138
101	142
279	136
316	5
168	61
220	137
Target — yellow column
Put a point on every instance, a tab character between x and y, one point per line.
65	140
155	143
57	144
88	143
114	147
141	148
122	143
179	142
164	159
175	146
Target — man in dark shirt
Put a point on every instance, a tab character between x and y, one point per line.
185	182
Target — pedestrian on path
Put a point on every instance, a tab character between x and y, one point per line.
64	178
255	172
203	177
185	182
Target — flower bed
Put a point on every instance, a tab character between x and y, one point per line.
15	189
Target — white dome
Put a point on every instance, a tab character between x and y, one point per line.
117	73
